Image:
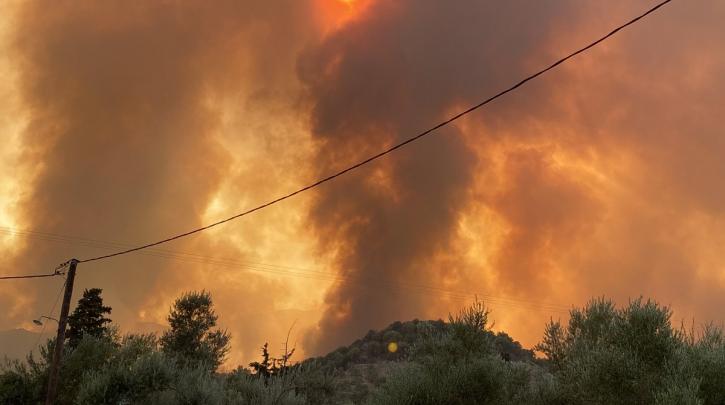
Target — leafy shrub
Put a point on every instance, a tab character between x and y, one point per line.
459	365
633	355
483	380
243	388
18	385
603	355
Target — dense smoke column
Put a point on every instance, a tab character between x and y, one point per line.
394	70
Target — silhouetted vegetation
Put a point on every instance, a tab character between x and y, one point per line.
602	355
191	340
271	366
89	317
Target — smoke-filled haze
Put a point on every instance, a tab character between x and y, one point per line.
124	123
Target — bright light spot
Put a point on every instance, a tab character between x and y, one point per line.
392	347
215	210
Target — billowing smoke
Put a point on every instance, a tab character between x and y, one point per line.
125	110
145	119
608	171
397	69
572	186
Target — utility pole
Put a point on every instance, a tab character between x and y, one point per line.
60	338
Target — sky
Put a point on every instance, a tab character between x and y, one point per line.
124	123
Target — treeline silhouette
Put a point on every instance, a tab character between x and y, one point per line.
603	355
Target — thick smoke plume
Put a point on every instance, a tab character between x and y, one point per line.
144	119
593	180
396	70
123	141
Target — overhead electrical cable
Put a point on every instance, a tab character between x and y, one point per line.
388	150
50	314
274	269
100	244
57	272
28	276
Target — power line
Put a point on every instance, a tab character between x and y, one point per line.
274	269
28	276
101	244
52	309
390	149
56	272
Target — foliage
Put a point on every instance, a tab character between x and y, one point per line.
461	364
701	363
470	330
271	366
88	318
91	353
18	385
482	380
604	354
245	388
191	339
633	355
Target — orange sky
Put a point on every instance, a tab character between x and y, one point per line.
126	124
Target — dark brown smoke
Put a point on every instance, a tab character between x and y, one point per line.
395	70
145	119
595	179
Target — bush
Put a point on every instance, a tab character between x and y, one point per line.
460	365
603	355
613	356
243	388
146	377
18	385
633	356
679	392
701	362
91	353
485	380
467	335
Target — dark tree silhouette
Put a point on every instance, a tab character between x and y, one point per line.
263	368
88	318
272	366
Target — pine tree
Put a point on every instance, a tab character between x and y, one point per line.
88	318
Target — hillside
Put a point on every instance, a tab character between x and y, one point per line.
374	346
360	368
605	354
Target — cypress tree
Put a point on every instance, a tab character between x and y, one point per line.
88	318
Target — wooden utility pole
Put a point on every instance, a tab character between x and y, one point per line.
60	338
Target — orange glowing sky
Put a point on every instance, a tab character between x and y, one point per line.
129	124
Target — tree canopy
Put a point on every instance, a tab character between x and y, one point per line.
603	354
191	338
89	317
